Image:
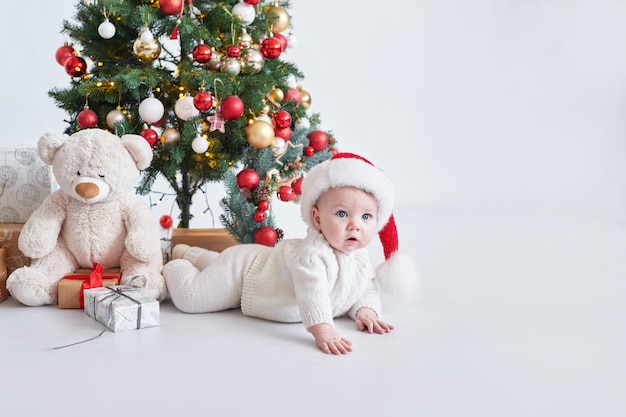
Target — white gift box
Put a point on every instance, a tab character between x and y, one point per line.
121	308
24	182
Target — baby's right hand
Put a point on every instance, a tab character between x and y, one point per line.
329	340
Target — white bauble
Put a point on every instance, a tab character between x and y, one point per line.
185	109
146	36
291	80
265	118
245	12
106	29
279	146
151	110
302	123
199	144
231	66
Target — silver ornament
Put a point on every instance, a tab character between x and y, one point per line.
231	67
252	61
113	117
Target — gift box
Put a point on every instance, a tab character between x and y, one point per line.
4	294
24	182
72	287
212	239
121	308
9	233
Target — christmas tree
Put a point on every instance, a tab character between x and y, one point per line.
205	84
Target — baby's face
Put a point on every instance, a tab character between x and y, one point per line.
347	217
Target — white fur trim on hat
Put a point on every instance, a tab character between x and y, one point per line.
347	171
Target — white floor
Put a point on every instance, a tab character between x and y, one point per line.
521	314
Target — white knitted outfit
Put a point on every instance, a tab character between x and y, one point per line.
298	280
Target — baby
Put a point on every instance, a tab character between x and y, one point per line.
345	202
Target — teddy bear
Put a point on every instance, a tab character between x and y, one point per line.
94	217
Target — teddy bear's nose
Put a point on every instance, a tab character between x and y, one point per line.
87	190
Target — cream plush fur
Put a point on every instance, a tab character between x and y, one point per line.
95	216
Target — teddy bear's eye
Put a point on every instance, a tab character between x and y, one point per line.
78	173
101	176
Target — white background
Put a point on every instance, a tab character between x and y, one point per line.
497	103
503	123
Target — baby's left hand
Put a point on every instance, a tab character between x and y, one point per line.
366	318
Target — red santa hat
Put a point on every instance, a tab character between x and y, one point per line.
397	274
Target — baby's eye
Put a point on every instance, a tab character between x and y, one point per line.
342	213
366	216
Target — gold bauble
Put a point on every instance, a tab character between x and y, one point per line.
252	61
283	18
146	52
277	95
306	98
170	136
260	134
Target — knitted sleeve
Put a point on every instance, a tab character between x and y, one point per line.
370	297
312	263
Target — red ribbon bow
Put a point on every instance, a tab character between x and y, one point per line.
93	281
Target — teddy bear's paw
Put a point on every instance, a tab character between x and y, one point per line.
28	290
152	285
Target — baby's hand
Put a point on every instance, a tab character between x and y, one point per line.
329	340
366	318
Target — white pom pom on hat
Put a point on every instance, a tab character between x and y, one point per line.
397	274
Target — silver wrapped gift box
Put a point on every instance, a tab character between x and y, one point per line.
121	308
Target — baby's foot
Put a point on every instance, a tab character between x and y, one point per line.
179	251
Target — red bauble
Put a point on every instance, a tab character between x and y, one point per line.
171	7
232	108
233	51
318	140
309	151
271	48
333	151
295	95
284	133
263	205
75	66
203	100
248	178
201	53
286	193
150	135
166	221
87	119
64	53
251	2
258	216
266	235
282	39
297	185
282	119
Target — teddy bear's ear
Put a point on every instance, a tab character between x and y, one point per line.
49	144
139	150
